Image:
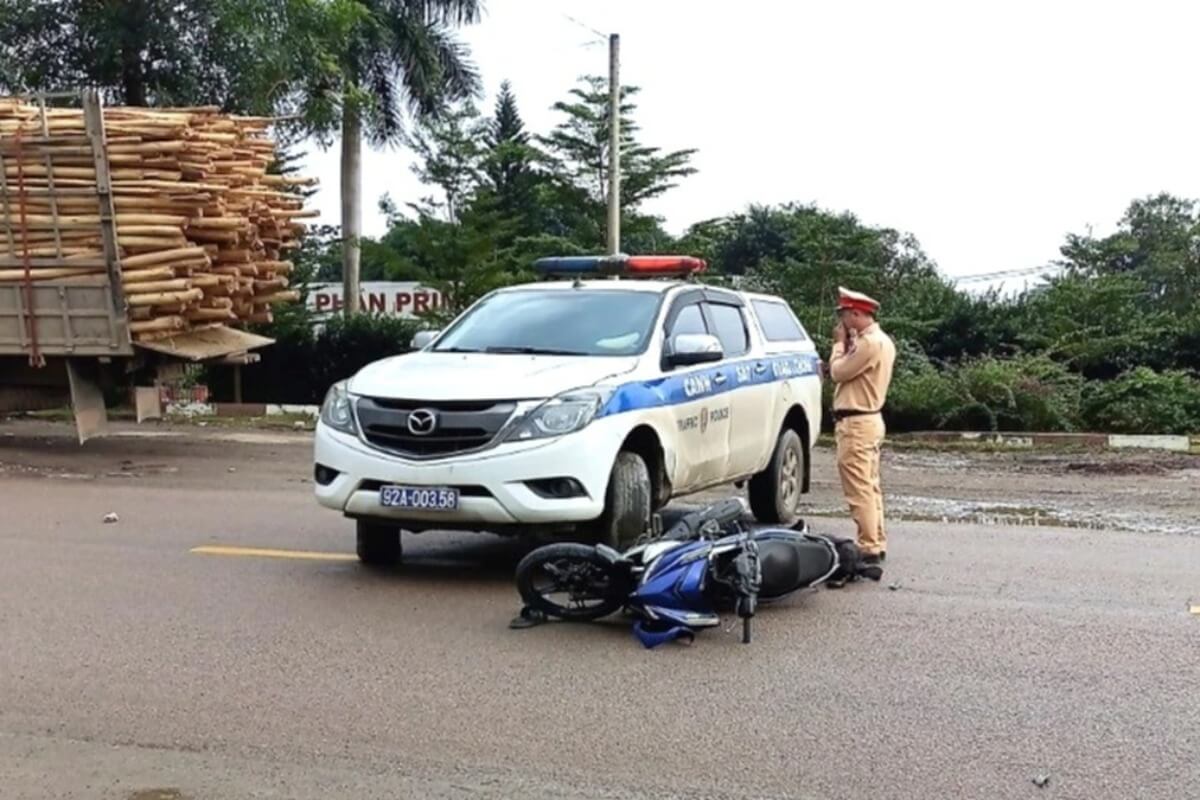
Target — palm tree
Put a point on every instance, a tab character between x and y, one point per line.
393	57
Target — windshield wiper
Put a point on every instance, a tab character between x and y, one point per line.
534	351
457	350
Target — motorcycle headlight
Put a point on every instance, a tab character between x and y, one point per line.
558	416
336	411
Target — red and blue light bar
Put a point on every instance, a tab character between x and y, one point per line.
621	266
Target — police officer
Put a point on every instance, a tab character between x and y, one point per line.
861	366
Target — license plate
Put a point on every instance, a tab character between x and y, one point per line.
421	498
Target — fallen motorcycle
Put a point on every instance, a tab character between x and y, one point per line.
674	582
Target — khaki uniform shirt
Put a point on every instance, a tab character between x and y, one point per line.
864	374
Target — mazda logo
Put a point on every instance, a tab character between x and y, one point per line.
422	421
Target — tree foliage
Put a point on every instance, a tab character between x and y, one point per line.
381	60
149	52
580	146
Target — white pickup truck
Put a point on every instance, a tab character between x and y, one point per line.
575	406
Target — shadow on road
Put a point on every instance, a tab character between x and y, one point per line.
474	558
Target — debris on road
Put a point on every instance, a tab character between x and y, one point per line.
111	517
1041	781
894	586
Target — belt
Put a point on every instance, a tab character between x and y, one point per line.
841	414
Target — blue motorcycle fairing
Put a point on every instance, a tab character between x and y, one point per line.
651	639
677	579
676	586
681	616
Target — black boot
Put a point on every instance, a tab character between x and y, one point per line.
871	566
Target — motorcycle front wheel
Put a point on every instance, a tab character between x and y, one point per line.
571	581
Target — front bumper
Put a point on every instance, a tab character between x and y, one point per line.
493	492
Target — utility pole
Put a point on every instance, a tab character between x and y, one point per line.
614	144
351	207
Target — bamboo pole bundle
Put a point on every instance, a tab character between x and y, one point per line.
200	225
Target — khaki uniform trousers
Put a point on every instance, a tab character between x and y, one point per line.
859	440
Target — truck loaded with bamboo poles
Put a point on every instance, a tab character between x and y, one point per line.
133	241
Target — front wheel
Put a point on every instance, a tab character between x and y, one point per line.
571	581
627	504
775	492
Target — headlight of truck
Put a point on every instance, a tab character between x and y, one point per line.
558	416
336	411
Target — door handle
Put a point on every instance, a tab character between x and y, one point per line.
719	378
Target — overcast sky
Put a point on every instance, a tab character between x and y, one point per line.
987	130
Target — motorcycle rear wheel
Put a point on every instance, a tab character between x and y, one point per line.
576	570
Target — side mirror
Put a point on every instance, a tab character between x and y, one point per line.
422	339
687	349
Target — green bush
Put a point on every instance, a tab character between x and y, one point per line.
1144	401
919	393
1024	393
302	364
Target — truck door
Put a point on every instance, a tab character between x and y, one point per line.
701	441
747	408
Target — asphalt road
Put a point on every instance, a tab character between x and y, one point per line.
132	667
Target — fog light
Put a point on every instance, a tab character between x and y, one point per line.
324	475
557	488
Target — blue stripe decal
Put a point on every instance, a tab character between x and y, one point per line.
696	384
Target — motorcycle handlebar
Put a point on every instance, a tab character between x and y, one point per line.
749	582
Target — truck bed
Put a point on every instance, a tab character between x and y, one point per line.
74	317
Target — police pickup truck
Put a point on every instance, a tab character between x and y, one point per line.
577	405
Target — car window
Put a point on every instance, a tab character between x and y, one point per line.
585	322
689	320
778	322
730	328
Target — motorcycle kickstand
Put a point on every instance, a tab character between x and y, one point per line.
528	618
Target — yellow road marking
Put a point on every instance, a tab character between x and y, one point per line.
266	552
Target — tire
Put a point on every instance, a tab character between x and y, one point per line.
378	544
775	492
627	504
607	585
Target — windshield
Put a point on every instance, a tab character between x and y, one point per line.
579	322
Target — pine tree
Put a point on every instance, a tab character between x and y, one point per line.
510	166
580	148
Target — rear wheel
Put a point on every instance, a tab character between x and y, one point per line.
378	544
571	581
775	492
627	504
